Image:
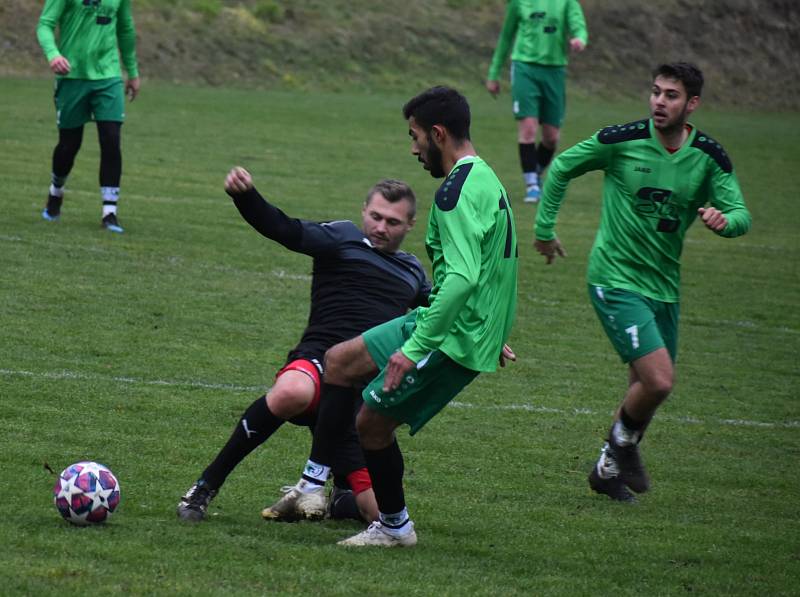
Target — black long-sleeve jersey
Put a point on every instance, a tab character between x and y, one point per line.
354	286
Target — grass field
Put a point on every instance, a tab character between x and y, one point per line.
141	350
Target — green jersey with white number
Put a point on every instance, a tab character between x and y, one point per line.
540	31
650	198
472	244
92	35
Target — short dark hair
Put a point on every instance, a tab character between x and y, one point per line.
394	191
685	72
440	105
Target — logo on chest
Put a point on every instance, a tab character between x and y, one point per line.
657	204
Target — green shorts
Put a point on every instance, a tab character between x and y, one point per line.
635	324
539	92
435	381
80	100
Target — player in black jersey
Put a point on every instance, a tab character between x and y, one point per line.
360	279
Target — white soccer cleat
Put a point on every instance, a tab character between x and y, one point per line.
296	505
376	535
284	508
313	504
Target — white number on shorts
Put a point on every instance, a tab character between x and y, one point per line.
633	332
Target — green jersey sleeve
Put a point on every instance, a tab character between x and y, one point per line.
472	244
126	38
723	192
584	157
576	22
46	29
507	34
459	238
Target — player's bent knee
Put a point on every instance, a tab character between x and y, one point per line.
287	404
660	387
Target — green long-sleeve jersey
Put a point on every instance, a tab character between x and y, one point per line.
650	198
540	31
472	243
92	35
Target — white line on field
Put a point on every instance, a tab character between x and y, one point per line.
56	375
131	380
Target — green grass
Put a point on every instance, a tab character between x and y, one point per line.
141	350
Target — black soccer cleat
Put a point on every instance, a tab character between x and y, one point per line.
194	504
53	209
342	505
629	462
111	223
612	487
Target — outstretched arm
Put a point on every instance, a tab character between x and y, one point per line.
577	160
267	219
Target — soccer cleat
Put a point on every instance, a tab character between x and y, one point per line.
283	510
194	505
532	194
612	487
342	505
631	468
376	535
111	224
296	505
52	211
312	505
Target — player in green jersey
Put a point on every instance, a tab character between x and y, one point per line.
86	61
660	174
414	365
543	32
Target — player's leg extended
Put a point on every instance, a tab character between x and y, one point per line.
353	496
69	143
334	415
547	148
643	332
385	463
108	107
292	390
650	384
425	390
73	110
552	81
109	137
349	361
526	97
529	157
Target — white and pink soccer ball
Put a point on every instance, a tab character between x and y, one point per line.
86	493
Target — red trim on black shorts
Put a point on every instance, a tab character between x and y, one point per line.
313	371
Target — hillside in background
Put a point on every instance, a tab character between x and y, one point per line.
749	49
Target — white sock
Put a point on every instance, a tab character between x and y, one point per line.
624	436
397	523
531	179
56	191
110	197
315	474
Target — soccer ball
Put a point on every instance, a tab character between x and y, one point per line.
86	493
